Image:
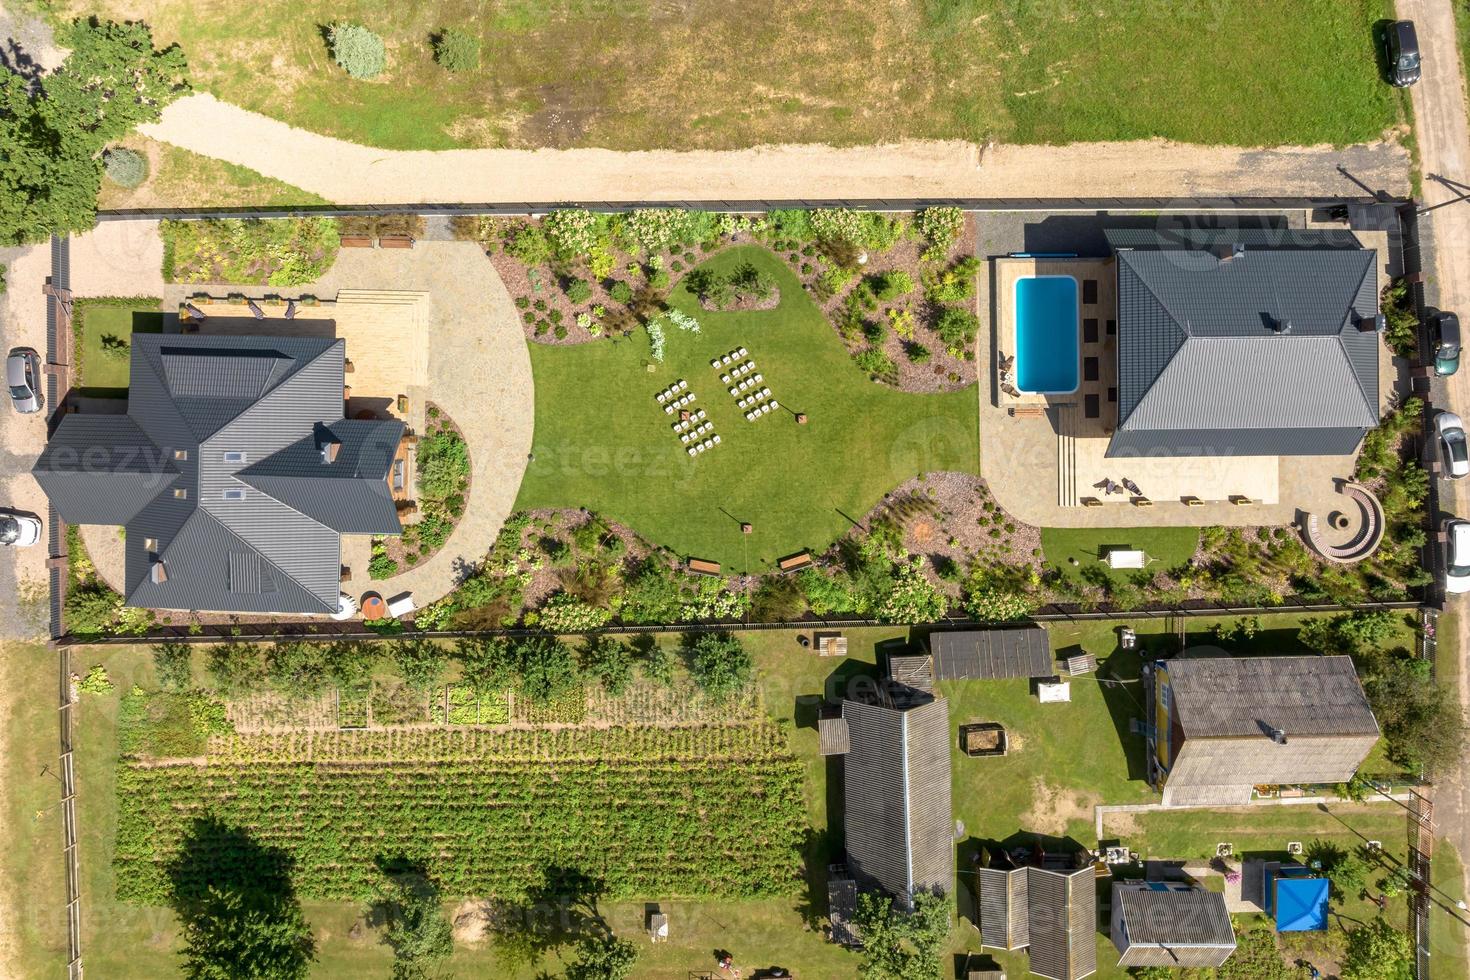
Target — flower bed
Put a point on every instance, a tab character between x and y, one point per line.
442	481
277	251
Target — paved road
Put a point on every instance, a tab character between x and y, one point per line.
1444	145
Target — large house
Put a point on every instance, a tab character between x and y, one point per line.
1244	342
1224	725
234	473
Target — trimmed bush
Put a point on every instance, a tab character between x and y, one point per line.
125	167
358	50
455	50
579	291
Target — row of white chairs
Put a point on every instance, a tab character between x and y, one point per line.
698	448
679	402
672	391
727	358
684	425
698	431
763	408
745	385
738	371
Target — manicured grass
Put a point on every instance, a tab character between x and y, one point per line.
1448	928
1166	547
721	74
603	442
181	178
104	373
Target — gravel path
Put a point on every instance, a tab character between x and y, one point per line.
348	173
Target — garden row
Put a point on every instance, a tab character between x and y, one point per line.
690	826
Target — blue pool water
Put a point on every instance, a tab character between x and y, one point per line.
1047	335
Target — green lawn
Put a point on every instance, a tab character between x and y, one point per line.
1166	547
736	73
1449	928
103	328
602	441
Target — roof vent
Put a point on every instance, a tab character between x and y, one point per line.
1225	251
1278	736
1281	326
1377	323
158	573
330	451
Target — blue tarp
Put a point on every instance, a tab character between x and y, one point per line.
1300	903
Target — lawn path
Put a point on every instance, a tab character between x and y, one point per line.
348	173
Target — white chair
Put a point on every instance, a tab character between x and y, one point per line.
725	360
684	438
668	410
715	363
750	416
758	378
717	440
692	396
725	378
683	384
660	396
691	450
699	414
709	444
741	404
699	447
678	426
765	391
765	408
683	399
734	391
775	404
741	352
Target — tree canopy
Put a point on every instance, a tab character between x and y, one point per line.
54	135
899	945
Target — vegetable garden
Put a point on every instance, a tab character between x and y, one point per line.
685	811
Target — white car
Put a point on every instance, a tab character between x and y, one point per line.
19	530
1457	557
1452	444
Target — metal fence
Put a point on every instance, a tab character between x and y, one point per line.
70	853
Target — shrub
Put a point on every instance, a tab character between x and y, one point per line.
456	50
1378	951
939	226
1402	331
91	608
656	340
96	681
443	465
892	284
579	291
957	327
658	665
916	353
574	232
358	50
953	284
753	283
529	244
655	230
548	671
380	565
610	661
720	665
621	292
880	366
911	598
125	167
172	664
565	613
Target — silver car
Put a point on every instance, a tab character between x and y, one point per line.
1452	444
23	375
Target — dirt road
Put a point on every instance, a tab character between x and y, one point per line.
347	173
1444	146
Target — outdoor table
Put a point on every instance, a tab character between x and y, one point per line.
373	606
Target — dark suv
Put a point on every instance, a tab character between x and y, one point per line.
1401	53
1446	344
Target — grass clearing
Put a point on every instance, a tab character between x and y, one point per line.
181	178
744	73
602	442
1166	547
103	330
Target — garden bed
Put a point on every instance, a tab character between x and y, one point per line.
442	483
249	251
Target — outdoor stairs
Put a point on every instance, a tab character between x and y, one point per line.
397	313
1065	419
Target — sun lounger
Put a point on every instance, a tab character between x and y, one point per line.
290	309
255	309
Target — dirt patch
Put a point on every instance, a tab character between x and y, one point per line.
1054	807
472	921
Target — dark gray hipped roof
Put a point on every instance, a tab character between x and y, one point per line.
1206	363
991	654
1192	917
245	513
1247	697
898	820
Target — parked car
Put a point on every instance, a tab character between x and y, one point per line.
1452	444
23	375
19	530
1401	53
1446	344
1457	556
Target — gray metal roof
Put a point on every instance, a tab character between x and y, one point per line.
898	820
1188	917
1247	697
1062	926
1204	364
991	654
237	423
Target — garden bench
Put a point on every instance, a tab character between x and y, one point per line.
702	566
395	241
357	241
796	561
1027	411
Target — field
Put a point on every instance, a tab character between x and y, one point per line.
103	347
603	443
745	73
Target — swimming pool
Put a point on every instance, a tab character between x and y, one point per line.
1047	349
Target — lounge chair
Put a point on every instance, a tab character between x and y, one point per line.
255	310
194	311
290	309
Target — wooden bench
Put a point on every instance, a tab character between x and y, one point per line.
1142	502
794	562
1241	500
395	241
357	241
1027	411
1192	501
703	566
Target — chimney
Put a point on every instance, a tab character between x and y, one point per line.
1278	736
1281	326
327	444
1225	251
158	572
1377	323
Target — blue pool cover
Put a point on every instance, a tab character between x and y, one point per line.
1046	334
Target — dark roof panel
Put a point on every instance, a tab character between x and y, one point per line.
102	469
1175	917
1063	922
1238	697
991	654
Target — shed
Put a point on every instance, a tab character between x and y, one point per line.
832	736
913	671
1004	911
1296	898
991	654
1171	924
1063	922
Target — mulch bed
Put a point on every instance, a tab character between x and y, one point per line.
394	544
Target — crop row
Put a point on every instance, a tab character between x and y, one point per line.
633	743
693	827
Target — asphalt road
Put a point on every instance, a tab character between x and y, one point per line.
1444	145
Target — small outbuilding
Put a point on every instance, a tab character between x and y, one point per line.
1173	924
993	654
1296	897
